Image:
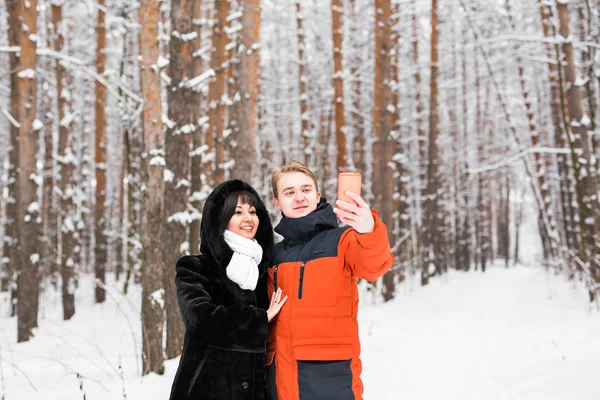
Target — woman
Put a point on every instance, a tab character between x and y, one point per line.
223	300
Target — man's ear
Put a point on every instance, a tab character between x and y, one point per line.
276	202
318	197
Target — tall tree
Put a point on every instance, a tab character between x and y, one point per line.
177	146
131	185
356	117
232	101
152	214
9	251
101	245
419	125
28	216
66	160
566	195
483	218
583	161
197	195
302	80
337	12
216	124
464	241
122	245
430	204
247	78
49	215
383	117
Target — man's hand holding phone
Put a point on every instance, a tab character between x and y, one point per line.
350	208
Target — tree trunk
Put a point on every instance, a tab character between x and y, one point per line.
196	189
181	103
422	135
152	214
383	120
9	252
214	134
395	191
122	244
247	78
431	244
101	244
588	64
465	242
454	184
337	11
302	79
325	132
134	165
28	224
66	160
568	212
49	215
356	118
518	219
232	106
484	245
587	185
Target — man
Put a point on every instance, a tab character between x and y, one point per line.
313	346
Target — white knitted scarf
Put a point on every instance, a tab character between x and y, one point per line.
243	267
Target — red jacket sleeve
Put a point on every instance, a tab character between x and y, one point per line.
367	255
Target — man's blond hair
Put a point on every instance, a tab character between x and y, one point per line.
292	166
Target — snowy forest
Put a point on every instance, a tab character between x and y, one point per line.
118	118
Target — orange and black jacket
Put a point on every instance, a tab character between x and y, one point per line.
313	347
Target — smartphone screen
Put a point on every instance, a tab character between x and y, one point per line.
348	181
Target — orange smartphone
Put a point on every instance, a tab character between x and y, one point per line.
348	181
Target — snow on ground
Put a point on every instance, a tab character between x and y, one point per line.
521	333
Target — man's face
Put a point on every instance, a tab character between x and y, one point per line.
297	195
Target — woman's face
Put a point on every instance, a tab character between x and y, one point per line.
244	221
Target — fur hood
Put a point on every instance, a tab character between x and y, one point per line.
212	243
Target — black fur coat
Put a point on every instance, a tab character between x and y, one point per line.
226	327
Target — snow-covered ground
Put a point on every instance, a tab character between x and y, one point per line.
521	333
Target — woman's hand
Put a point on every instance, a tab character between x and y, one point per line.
276	304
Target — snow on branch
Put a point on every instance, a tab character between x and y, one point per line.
234	15
202	51
200	80
72	61
510	160
12	120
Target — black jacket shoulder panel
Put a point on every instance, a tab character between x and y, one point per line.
313	236
323	244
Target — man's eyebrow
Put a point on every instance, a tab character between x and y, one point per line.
309	185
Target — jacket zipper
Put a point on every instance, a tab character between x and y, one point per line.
301	280
275	278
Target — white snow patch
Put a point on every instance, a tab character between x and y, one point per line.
517	333
37	125
162	61
27	73
168	176
184	248
33	207
158	297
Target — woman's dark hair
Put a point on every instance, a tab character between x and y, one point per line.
231	202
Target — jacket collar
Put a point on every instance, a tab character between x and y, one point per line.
305	228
